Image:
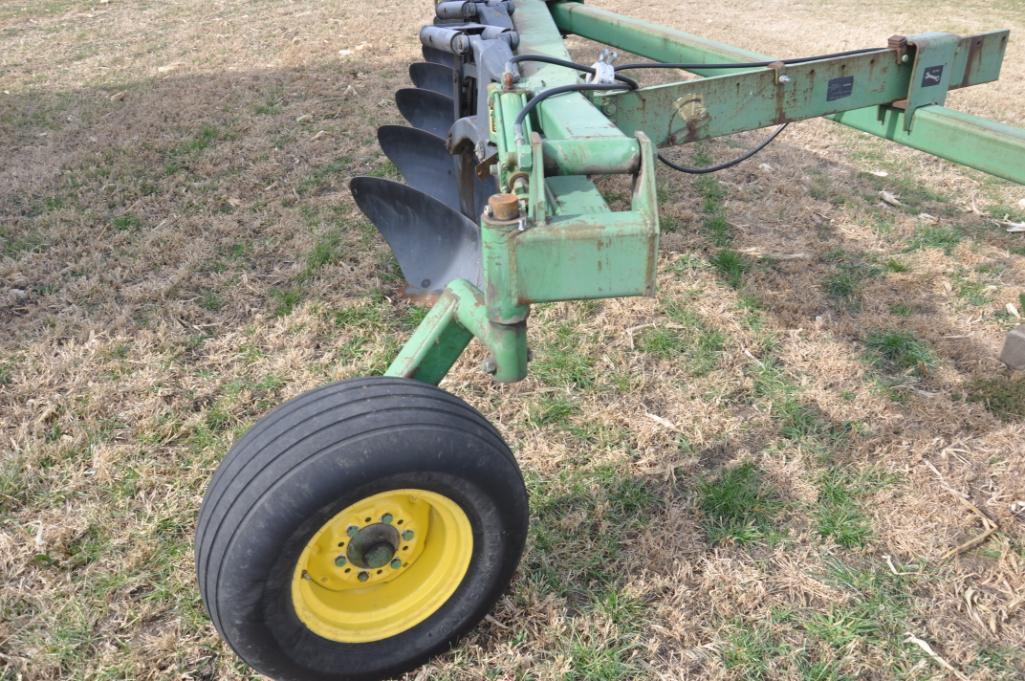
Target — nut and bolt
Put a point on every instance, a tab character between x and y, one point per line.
387	518
900	44
489	366
784	79
396	564
407	535
340	561
364	576
352	530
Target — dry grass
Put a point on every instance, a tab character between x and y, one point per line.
761	474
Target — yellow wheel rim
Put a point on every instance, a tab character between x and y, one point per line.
382	565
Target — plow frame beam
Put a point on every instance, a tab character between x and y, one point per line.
990	146
701	108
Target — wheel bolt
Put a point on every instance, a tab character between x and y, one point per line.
396	563
387	518
352	530
407	535
340	561
364	576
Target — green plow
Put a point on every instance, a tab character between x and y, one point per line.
363	527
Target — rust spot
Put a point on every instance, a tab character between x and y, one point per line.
974	48
692	131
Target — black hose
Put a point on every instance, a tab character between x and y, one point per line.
727	164
630	84
545	59
747	64
558	90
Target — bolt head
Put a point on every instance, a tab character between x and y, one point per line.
504	206
387	518
407	535
396	564
340	561
363	576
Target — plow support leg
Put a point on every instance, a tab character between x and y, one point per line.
459	315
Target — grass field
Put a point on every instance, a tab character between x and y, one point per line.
802	460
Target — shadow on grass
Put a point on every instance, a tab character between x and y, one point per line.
195	201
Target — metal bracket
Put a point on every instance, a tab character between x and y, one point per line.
537	209
930	74
778	75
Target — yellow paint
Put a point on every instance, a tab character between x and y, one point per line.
433	553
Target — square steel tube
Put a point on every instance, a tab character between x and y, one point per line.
986	145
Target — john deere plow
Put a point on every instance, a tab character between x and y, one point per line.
363	527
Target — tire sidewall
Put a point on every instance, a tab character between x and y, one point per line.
256	575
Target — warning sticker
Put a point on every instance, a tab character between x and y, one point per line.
840	88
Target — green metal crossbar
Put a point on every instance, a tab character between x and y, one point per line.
708	107
968	140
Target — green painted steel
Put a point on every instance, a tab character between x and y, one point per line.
980	144
571	195
583	157
983	144
676	113
499	240
458	316
580	252
931	77
566	117
569	118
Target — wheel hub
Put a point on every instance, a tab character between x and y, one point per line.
373	546
381	565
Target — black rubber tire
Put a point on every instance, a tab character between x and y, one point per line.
317	454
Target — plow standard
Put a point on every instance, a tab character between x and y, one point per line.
362	527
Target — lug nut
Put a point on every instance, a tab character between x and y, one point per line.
364	576
396	564
352	530
340	561
407	535
387	518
